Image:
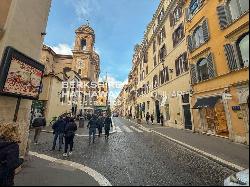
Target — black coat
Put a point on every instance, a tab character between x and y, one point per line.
39	122
107	123
9	161
70	129
59	126
92	123
99	123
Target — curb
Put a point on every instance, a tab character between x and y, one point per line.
216	159
97	176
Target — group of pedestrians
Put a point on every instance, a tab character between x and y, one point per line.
64	128
152	118
99	122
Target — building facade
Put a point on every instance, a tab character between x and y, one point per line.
71	83
193	67
13	32
218	42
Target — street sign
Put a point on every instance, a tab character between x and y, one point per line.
227	96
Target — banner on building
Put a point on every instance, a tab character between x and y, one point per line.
20	75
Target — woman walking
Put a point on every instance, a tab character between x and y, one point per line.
9	157
69	135
107	125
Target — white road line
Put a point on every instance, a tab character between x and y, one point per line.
118	129
203	153
138	130
127	129
97	176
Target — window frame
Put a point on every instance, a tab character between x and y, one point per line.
200	78
241	38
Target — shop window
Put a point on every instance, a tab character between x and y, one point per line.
238	7
202	67
243	50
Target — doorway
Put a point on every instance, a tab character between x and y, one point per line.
187	117
158	112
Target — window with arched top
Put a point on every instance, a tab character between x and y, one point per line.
83	44
237	8
198	37
202	69
243	50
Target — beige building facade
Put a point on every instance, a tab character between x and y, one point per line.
159	82
71	83
27	38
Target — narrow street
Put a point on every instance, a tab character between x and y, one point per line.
134	156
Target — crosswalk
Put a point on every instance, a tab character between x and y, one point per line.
130	129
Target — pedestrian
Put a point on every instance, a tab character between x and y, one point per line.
69	134
162	119
152	119
107	125
9	153
147	118
38	123
99	124
58	131
92	125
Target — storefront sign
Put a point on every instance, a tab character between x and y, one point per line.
236	108
20	76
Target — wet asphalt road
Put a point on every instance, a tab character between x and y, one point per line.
133	156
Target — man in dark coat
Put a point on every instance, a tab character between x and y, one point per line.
100	125
107	125
69	134
58	127
38	123
92	125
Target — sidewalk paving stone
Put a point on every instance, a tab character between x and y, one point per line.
39	172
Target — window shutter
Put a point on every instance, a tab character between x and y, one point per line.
190	43
211	66
193	72
174	38
205	30
177	68
171	18
185	62
181	3
187	14
231	57
224	18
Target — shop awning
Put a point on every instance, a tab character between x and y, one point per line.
208	102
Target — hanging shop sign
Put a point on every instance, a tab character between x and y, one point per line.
20	75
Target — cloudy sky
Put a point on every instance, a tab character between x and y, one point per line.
118	25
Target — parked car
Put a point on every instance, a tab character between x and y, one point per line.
238	179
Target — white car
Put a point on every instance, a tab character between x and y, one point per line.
238	179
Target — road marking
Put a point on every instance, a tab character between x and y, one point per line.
127	129
138	130
203	153
207	155
97	176
118	129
